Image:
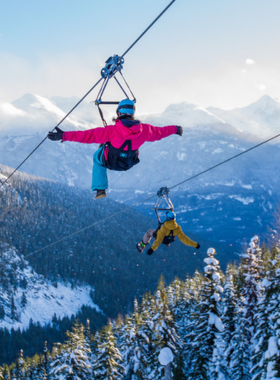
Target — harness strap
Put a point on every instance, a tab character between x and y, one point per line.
101	115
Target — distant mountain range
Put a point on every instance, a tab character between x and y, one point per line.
227	204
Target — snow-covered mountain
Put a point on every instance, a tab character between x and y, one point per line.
261	118
185	114
36	298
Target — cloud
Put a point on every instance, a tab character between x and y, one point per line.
9	109
261	87
249	61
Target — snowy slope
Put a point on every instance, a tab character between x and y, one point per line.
261	118
43	299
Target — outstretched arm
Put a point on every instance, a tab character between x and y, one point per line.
158	133
186	240
96	135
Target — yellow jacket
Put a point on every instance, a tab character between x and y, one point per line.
165	230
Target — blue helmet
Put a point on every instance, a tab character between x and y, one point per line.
170	215
126	106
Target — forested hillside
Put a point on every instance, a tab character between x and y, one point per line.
218	325
36	212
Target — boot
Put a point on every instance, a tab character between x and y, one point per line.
140	247
100	194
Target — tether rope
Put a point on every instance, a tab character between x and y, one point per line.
153	196
155	20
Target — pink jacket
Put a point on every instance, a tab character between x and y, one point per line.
117	134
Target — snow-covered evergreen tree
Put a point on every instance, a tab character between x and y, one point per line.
252	266
266	308
165	330
240	358
229	299
20	369
107	364
272	354
206	323
72	363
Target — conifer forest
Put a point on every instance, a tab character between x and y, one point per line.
217	325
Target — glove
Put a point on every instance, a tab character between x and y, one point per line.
54	136
179	130
198	246
150	251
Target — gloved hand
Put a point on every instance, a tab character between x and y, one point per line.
179	130
198	246
54	136
150	251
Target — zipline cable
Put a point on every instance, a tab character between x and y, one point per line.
153	196
155	20
145	31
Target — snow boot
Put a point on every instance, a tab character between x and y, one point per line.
140	247
100	194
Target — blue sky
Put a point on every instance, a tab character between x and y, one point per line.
212	53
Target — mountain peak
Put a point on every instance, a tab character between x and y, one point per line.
32	102
265	102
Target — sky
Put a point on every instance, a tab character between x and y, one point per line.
212	53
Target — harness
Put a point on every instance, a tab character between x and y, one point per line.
167	239
163	194
117	158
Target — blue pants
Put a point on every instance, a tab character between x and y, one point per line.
99	173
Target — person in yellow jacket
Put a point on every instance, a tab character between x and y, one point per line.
166	235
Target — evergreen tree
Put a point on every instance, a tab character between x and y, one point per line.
107	365
23	300
14	315
2	312
240	357
272	354
229	299
266	308
20	370
72	363
206	323
165	328
252	266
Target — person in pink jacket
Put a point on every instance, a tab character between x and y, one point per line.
119	143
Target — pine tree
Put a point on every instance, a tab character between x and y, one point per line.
165	328
229	299
266	307
2	312
240	357
107	365
72	362
23	300
207	324
252	266
1	373
272	354
46	359
14	315
20	370
129	347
